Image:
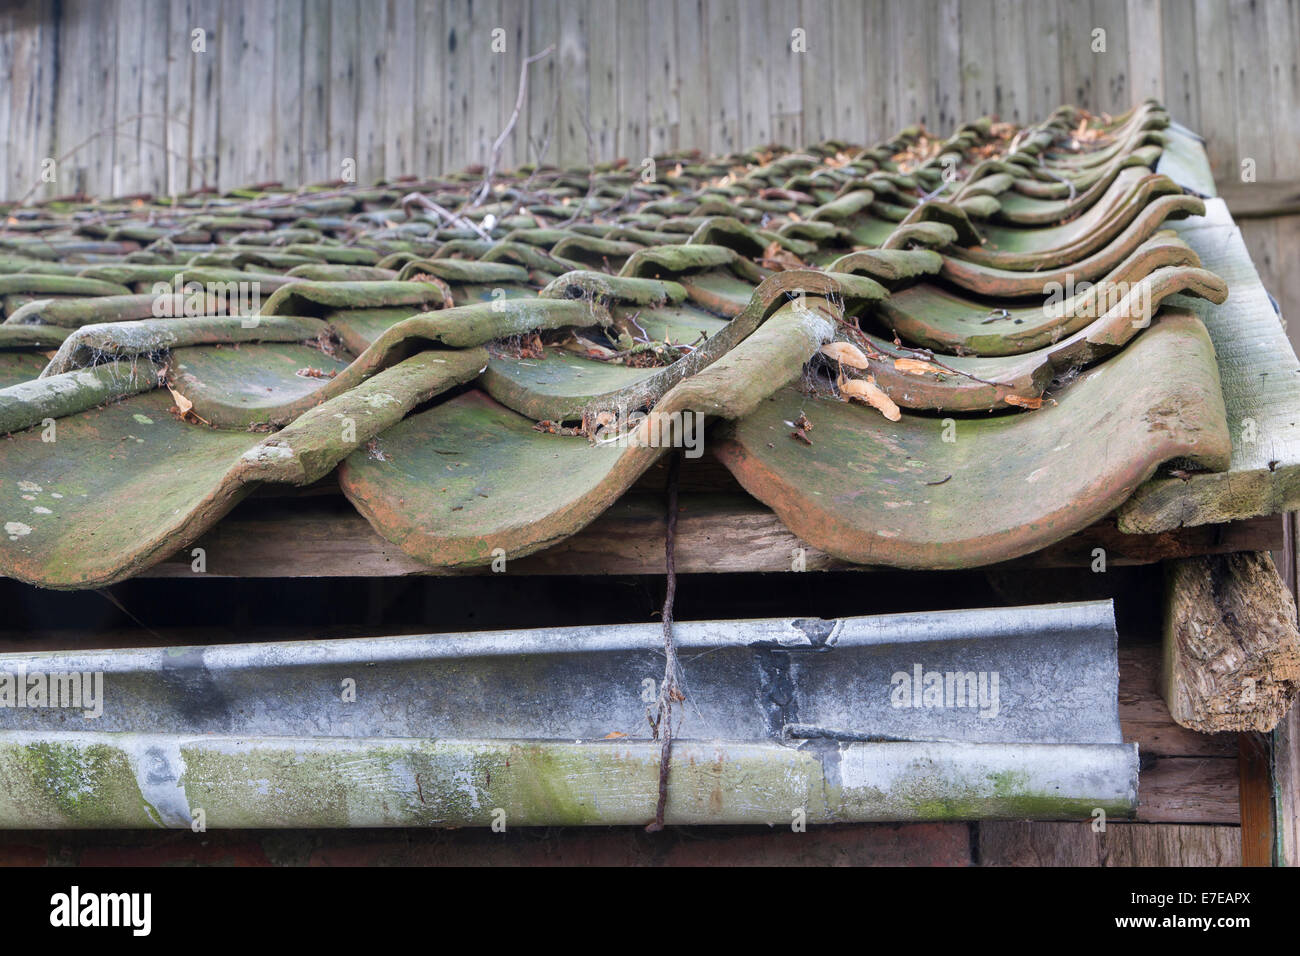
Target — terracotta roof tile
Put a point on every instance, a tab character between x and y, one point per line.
471	371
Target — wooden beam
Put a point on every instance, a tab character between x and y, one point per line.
1286	742
1286	790
1144	719
319	535
1189	790
1256	796
1121	844
863	844
1260	377
1186	777
1231	646
1261	200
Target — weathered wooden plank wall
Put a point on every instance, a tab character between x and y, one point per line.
293	89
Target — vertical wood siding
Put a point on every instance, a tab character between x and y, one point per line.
290	90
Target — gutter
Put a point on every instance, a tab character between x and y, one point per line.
1008	713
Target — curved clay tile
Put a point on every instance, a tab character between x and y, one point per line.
1044	182
316	298
592	252
451	485
1148	133
956	383
897	493
561	386
1120	192
44	285
652	307
715	278
931	316
254	384
1019	209
31	402
1050	246
889	266
1142	246
742	238
333	272
73	313
92	344
128	483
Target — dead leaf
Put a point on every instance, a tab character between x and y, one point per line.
1024	401
871	394
183	404
614	735
185	408
801	429
442	286
775	257
846	353
913	366
555	428
586	347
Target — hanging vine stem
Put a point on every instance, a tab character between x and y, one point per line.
669	690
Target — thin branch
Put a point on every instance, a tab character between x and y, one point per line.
495	158
925	355
419	199
111	128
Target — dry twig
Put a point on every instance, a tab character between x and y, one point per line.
486	188
419	199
